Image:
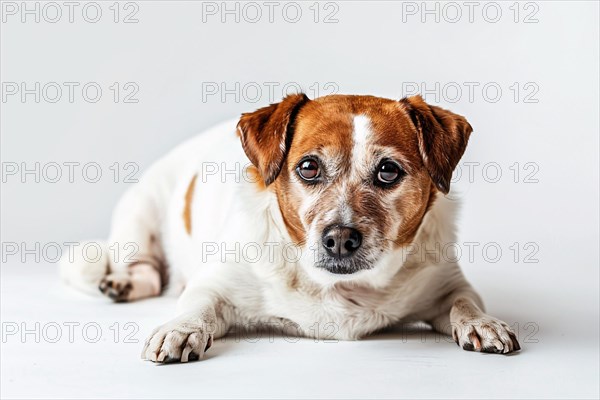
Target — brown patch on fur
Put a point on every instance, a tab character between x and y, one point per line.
433	193
287	203
413	206
187	208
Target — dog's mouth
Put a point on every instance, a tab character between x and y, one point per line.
344	266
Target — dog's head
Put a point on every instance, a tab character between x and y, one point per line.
354	175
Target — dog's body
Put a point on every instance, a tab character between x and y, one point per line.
327	233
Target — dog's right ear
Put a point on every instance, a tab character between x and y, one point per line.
266	134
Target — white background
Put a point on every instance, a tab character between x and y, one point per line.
176	51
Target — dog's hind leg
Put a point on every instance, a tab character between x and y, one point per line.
137	266
140	281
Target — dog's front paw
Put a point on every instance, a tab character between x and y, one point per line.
183	339
485	334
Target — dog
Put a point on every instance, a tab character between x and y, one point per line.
310	225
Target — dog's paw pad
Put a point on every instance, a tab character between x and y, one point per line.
116	286
485	334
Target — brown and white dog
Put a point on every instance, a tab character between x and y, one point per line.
312	226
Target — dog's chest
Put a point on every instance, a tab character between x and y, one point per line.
338	313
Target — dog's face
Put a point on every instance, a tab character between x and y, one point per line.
354	175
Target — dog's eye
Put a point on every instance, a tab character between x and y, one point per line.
308	169
388	172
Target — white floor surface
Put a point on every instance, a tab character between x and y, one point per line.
559	357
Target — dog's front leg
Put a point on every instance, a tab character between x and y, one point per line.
203	315
470	327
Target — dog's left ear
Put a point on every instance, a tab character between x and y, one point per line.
266	134
442	137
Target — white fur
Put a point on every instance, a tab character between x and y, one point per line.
82	272
360	136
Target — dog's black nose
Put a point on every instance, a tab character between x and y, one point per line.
341	241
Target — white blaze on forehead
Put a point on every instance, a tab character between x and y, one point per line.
362	129
360	135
